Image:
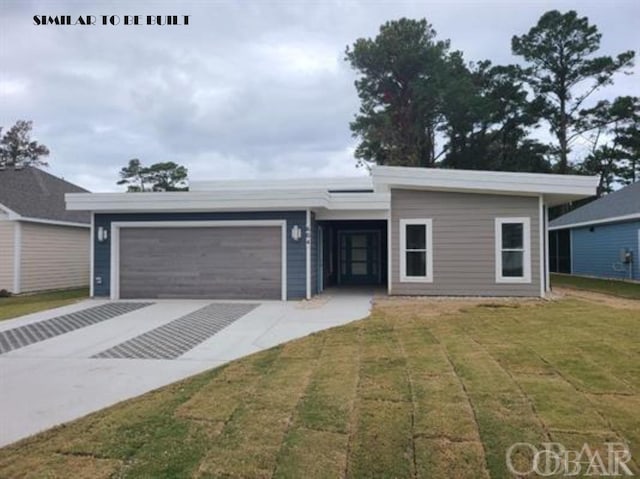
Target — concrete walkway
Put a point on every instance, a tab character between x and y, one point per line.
57	380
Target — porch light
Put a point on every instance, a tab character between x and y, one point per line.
296	233
102	234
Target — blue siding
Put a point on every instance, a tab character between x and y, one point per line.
594	253
296	251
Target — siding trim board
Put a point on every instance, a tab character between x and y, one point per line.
389	253
92	254
307	239
17	258
6	254
542	238
115	242
547	259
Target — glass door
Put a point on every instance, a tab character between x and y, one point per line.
359	257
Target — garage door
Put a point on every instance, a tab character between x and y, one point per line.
243	262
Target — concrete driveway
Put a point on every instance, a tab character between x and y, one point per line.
64	363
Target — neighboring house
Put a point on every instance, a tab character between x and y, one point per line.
601	238
42	245
413	231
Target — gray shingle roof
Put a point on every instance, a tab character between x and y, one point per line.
33	193
623	202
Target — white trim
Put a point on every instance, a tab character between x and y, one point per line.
55	222
613	219
307	239
115	242
232	200
17	258
571	251
10	213
526	246
546	250
320	259
92	254
335	183
323	214
541	249
389	255
367	193
428	224
386	177
13	216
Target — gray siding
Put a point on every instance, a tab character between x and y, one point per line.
296	263
212	263
463	241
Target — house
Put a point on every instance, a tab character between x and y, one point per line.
601	238
412	231
42	245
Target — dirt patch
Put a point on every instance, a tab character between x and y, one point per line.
432	306
599	298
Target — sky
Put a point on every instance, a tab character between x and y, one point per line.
249	89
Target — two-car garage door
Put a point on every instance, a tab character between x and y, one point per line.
229	262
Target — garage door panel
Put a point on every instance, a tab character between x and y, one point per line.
204	262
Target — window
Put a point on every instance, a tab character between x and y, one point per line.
416	251
513	250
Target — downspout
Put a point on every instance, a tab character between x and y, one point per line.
92	254
389	253
546	250
308	253
17	258
542	228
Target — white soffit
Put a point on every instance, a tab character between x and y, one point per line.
328	184
236	200
567	187
316	193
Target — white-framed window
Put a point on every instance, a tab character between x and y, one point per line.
416	251
513	250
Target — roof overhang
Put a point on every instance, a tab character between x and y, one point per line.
555	189
612	219
328	184
11	215
226	200
372	193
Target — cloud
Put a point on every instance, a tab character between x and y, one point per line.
248	89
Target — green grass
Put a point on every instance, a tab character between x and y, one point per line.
419	389
623	289
32	303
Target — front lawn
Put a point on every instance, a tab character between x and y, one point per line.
623	289
428	389
20	305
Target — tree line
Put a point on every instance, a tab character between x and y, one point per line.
422	104
17	150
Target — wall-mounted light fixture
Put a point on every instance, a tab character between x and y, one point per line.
296	233
102	234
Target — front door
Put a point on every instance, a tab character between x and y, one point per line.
359	257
